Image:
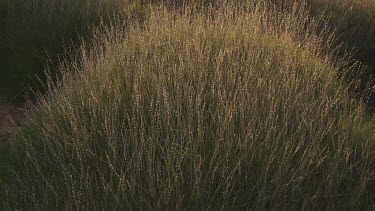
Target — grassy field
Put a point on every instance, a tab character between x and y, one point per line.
199	105
354	25
37	33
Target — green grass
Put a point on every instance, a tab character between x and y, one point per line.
5	160
35	33
38	32
352	20
228	108
354	24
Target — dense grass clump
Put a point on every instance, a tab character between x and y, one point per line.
34	33
229	108
354	25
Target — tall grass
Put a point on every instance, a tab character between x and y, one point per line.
229	108
34	33
354	23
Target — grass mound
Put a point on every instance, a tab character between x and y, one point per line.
229	109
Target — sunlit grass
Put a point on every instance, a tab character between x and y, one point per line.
228	108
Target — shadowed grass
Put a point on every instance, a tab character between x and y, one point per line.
354	23
5	160
36	32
